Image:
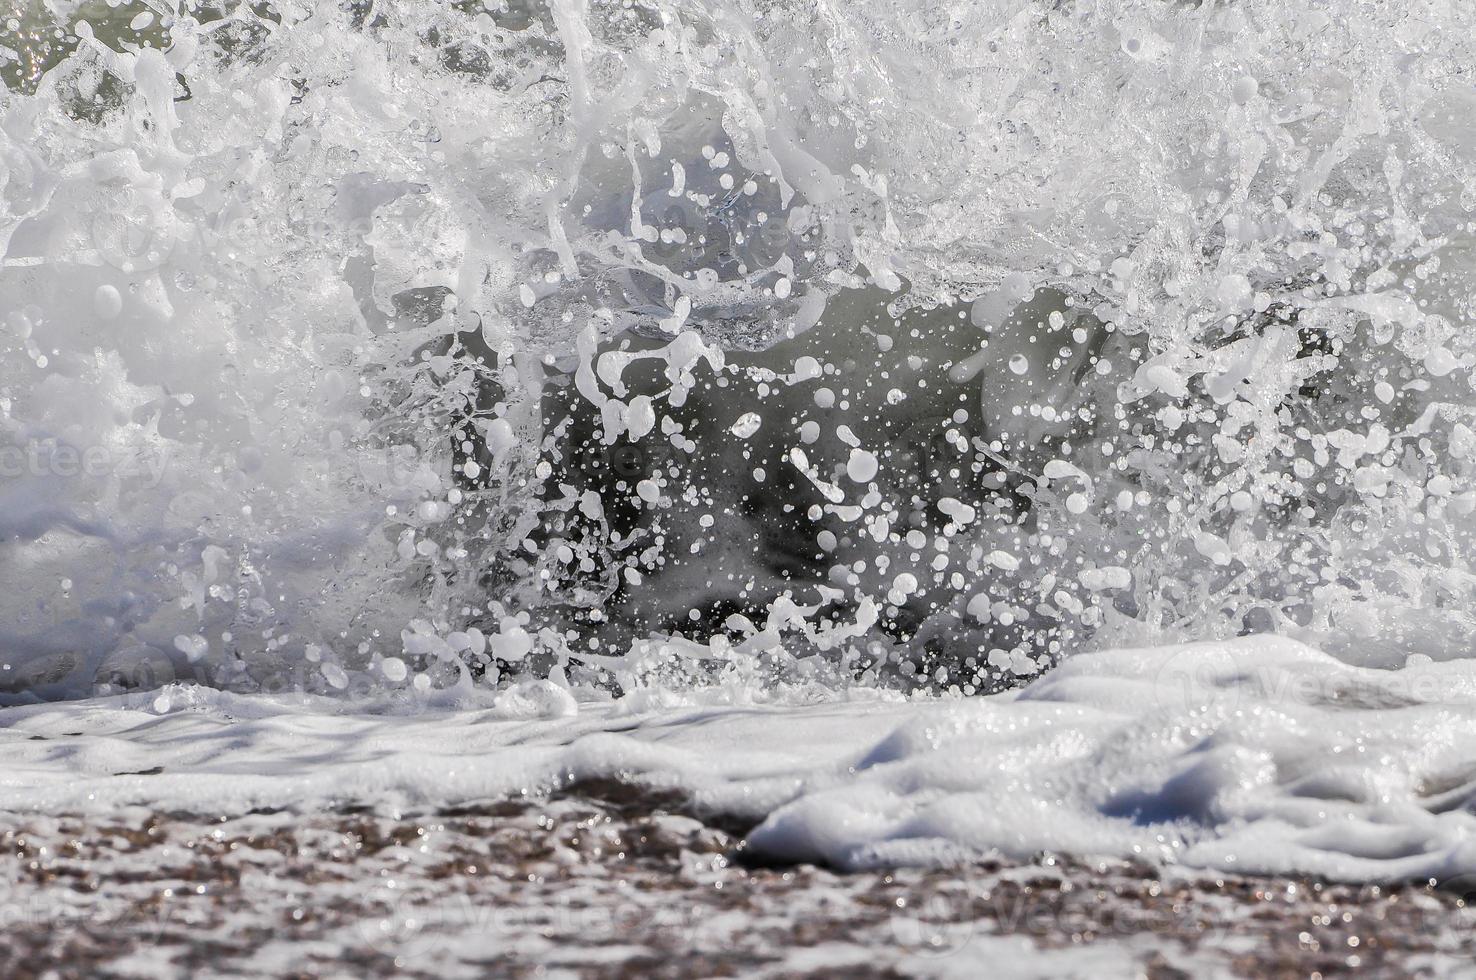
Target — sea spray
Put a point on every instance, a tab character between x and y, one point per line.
310	311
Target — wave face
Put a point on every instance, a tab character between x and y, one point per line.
426	345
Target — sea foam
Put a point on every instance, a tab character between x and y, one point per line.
1254	756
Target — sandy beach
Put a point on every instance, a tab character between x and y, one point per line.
610	881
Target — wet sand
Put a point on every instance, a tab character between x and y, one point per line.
608	881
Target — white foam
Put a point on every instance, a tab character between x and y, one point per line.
1259	755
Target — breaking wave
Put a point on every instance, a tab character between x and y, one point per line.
428	345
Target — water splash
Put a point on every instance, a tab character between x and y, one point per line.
416	344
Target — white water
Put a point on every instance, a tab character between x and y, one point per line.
1251	757
1062	327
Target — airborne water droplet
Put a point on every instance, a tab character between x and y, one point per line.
748	423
